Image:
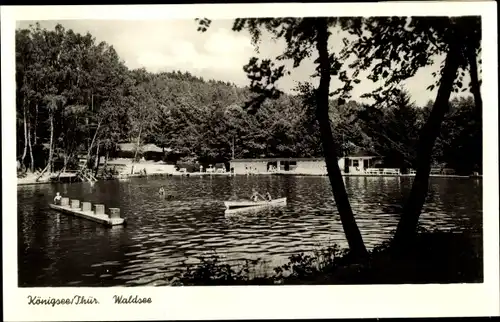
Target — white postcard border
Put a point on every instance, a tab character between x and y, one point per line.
270	301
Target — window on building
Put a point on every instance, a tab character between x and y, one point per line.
355	163
366	163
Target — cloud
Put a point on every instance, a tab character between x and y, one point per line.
219	51
227	43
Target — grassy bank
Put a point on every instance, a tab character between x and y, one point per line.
438	257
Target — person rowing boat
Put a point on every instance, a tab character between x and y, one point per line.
258	197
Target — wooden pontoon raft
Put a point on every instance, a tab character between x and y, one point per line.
86	212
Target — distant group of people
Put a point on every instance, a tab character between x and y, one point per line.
249	170
272	168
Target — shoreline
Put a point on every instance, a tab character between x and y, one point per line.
123	177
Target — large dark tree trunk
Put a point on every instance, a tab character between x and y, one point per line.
474	77
351	230
407	227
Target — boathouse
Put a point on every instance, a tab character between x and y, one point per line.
280	165
356	163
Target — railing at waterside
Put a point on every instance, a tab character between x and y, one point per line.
383	171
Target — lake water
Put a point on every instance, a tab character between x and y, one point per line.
162	234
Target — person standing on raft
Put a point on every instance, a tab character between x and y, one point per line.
57	198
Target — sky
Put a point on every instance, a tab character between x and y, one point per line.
219	53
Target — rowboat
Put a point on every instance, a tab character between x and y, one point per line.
247	205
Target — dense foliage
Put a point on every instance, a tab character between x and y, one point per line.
75	97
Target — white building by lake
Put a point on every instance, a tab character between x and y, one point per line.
351	164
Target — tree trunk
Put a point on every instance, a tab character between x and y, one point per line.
43	171
136	149
36	124
474	77
138	144
66	158
351	230
407	226
51	141
93	140
106	159
96	163
32	163
61	171
25	133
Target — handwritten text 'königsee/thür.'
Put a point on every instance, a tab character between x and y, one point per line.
75	300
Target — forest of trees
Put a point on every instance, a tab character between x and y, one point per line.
76	97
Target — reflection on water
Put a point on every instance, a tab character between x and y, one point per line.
165	233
